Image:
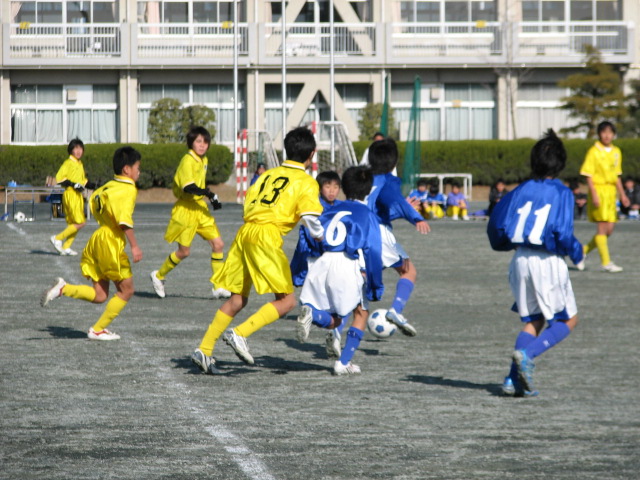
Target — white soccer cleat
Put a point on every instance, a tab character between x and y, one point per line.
204	363
239	345
304	323
57	244
611	268
103	335
69	252
454	217
333	345
158	285
53	292
465	217
220	293
401	322
349	369
581	265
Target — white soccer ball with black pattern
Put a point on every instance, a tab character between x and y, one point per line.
379	326
19	217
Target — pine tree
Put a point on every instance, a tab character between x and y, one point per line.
630	127
369	121
596	95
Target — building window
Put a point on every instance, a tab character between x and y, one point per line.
218	97
538	109
53	113
418	11
65	11
575	10
192	11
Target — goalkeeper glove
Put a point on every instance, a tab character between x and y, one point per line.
215	203
78	187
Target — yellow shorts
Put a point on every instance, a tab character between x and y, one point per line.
606	212
434	211
104	258
255	258
189	218
73	206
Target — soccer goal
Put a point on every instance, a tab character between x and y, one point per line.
341	157
254	147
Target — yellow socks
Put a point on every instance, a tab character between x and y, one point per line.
216	262
263	317
590	246
113	309
602	244
80	292
67	232
169	264
67	243
217	327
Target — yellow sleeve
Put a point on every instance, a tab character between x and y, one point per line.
618	152
63	172
309	201
185	172
588	168
123	205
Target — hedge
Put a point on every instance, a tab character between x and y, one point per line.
30	165
486	160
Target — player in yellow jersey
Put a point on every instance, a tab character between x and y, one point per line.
71	176
190	214
602	167
273	206
104	259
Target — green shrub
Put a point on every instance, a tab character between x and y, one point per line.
30	165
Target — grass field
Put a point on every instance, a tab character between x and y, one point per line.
427	407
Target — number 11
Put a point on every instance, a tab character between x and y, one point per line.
535	236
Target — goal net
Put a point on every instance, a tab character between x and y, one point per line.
338	158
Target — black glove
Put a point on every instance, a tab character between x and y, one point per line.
78	187
215	203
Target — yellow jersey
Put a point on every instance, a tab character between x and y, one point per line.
604	167
112	204
191	170
281	196
72	169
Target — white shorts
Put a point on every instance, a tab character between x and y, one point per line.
392	251
334	284
541	286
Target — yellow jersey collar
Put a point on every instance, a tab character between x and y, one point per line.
195	155
123	179
71	157
600	146
292	164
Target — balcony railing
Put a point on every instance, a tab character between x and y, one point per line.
54	40
446	43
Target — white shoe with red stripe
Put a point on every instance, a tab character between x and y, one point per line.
104	335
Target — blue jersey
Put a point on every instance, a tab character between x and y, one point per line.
350	227
538	214
306	247
387	203
422	196
436	198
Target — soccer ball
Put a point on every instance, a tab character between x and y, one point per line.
379	326
20	217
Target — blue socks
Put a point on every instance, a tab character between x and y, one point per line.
404	288
553	335
320	317
522	340
354	336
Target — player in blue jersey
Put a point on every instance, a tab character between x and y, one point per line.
388	204
536	219
335	285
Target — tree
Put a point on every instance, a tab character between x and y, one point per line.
369	121
630	127
596	95
169	121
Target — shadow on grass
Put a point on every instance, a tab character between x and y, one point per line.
153	295
65	332
44	252
275	365
492	388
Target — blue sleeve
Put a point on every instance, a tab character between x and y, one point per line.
373	260
306	247
398	207
498	224
566	242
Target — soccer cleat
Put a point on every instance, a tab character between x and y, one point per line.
454	217
239	345
69	252
465	217
304	323
334	348
220	293
401	322
104	335
349	369
158	285
525	367
204	363
57	244
581	264
611	268
53	292
508	386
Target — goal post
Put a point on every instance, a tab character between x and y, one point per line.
254	147
343	155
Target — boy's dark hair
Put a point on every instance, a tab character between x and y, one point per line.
383	156
76	142
548	156
125	156
299	144
434	188
573	184
604	125
357	182
193	133
455	183
327	177
377	134
422	183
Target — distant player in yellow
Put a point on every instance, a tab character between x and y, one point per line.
273	206
602	167
71	176
104	259
190	214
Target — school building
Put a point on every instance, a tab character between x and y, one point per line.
488	68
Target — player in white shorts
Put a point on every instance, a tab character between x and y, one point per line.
536	219
335	284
